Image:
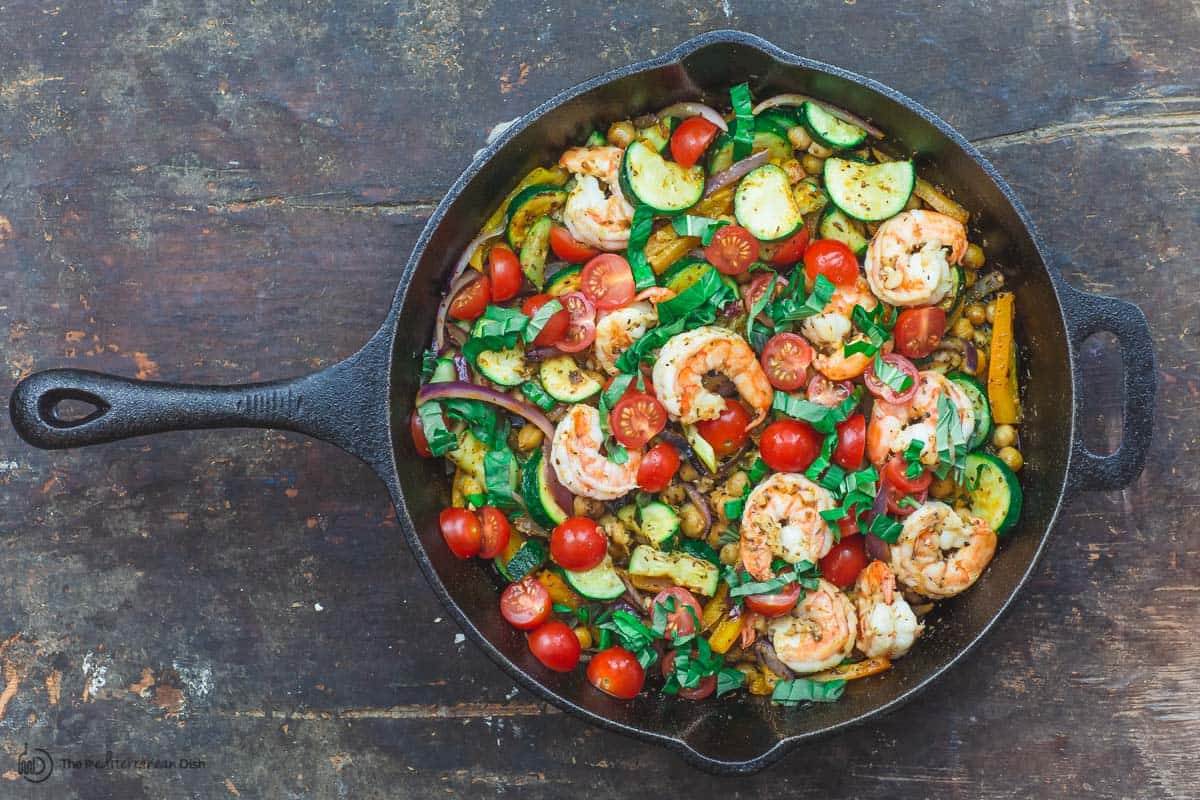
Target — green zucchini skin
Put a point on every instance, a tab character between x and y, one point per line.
598	583
869	192
530	205
996	497
764	204
829	130
567	382
667	187
979	402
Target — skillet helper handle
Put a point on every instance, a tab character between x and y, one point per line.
1089	314
345	404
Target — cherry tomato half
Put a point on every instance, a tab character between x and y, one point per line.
732	250
703	689
417	429
581	329
895	500
616	672
756	288
919	331
567	248
827	393
789	251
636	419
578	544
896	471
659	465
886	393
462	532
555	645
525	604
633	387
776	604
555	327
841	565
785	359
504	270
687	610
789	445
691	139
727	432
834	260
607	280
852	442
495	529
471	300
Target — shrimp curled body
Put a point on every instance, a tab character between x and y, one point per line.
887	625
831	330
939	554
818	632
581	466
618	330
894	425
782	519
687	357
906	261
593	217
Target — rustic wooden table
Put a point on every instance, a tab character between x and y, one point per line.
230	194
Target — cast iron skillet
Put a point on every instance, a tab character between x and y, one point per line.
361	403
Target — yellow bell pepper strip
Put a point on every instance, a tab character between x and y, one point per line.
515	540
716	607
665	247
725	634
560	592
1002	364
850	672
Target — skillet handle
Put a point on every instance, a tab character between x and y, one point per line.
344	404
1092	313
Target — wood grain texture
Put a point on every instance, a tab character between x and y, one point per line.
228	193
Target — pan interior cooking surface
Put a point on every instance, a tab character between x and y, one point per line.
737	728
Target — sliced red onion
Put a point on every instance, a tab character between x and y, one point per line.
972	358
840	113
735	171
455	334
878	549
536	355
685	110
764	651
701	503
458	282
461	368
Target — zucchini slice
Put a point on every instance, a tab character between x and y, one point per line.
565	281
543	508
776	120
530	557
659	523
506	367
534	250
996	496
765	206
566	381
528	207
701	448
829	130
663	185
658	135
685	570
983	412
601	582
683	273
836	225
869	192
771	140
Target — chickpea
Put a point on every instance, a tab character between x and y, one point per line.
1004	436
799	137
795	171
613	528
941	488
982	339
584	636
973	258
529	437
731	554
963	328
673	495
687	472
819	150
812	165
1011	457
737	483
691	521
587	507
621	133
977	313
990	311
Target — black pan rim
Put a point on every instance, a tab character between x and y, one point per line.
387	334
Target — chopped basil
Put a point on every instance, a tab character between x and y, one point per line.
892	377
482	420
631	632
872	324
885	528
692	298
729	679
560	608
537	395
540	318
789	309
912	455
497	479
476	499
441	440
704	227
428	362
908	502
608	398
800	690
498	329
639	236
743	129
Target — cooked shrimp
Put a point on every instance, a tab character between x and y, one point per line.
687	357
831	330
906	261
617	330
593	217
887	625
782	519
939	554
579	464
818	633
893	426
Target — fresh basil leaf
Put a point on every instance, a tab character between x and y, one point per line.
428	362
639	236
893	377
538	396
822	418
729	679
759	305
769	586
497	479
560	608
441	440
885	528
743	130
704	227
482	420
692	298
477	499
540	318
800	690
758	470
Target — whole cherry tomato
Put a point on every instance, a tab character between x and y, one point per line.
578	544
555	645
727	432
504	270
833	259
616	672
659	465
852	442
691	139
462	532
789	445
841	565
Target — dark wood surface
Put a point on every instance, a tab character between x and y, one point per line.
228	192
